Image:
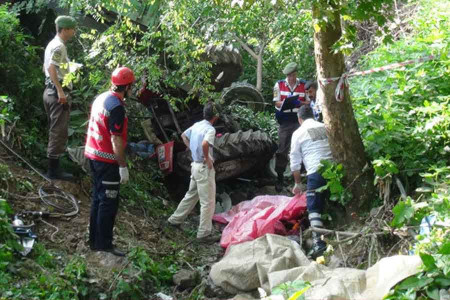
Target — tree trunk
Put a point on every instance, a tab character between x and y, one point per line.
259	71
343	134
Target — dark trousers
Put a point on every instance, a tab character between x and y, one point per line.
58	116
285	132
315	201
105	203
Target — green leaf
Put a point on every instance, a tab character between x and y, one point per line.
415	283
428	261
443	282
445	249
433	293
403	211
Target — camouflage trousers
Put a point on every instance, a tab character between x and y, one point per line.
58	116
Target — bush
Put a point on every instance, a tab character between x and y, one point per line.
19	61
404	114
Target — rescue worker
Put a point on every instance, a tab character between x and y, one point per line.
287	119
57	98
105	148
199	139
309	146
311	95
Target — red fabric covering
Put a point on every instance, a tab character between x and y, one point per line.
251	219
145	96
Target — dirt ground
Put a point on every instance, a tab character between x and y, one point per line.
68	236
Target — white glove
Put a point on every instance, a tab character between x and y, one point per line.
297	188
124	175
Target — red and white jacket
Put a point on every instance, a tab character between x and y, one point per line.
281	91
98	141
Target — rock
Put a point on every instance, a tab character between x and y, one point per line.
223	203
212	290
186	279
238	197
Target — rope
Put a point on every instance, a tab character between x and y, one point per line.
343	79
45	194
53	234
24	160
58	193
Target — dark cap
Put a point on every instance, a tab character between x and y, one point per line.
66	22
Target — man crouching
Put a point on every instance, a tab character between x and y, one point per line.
310	145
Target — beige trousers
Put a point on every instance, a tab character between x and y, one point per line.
202	187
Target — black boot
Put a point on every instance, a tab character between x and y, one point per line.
318	246
55	173
280	183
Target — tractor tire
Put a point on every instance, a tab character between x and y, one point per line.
226	65
243	93
235	153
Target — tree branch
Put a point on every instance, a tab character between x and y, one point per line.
246	47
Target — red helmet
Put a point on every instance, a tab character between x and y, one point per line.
122	76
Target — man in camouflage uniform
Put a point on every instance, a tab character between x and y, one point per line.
56	97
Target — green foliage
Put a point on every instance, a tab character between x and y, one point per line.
249	119
282	32
44	277
334	174
147	275
384	166
145	188
403	212
21	65
352	12
24	79
292	289
8	239
404	114
432	245
410	212
434	277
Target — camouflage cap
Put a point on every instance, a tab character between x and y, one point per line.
67	22
290	67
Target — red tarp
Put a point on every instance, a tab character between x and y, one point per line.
251	219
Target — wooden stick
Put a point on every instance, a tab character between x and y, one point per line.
159	124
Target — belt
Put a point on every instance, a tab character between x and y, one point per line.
51	86
291	110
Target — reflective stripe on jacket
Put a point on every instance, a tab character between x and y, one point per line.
285	91
98	141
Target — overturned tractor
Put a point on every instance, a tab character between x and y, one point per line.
236	151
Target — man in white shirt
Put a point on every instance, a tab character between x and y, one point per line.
309	146
56	97
199	139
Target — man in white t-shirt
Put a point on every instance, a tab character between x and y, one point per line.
56	97
309	146
199	139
